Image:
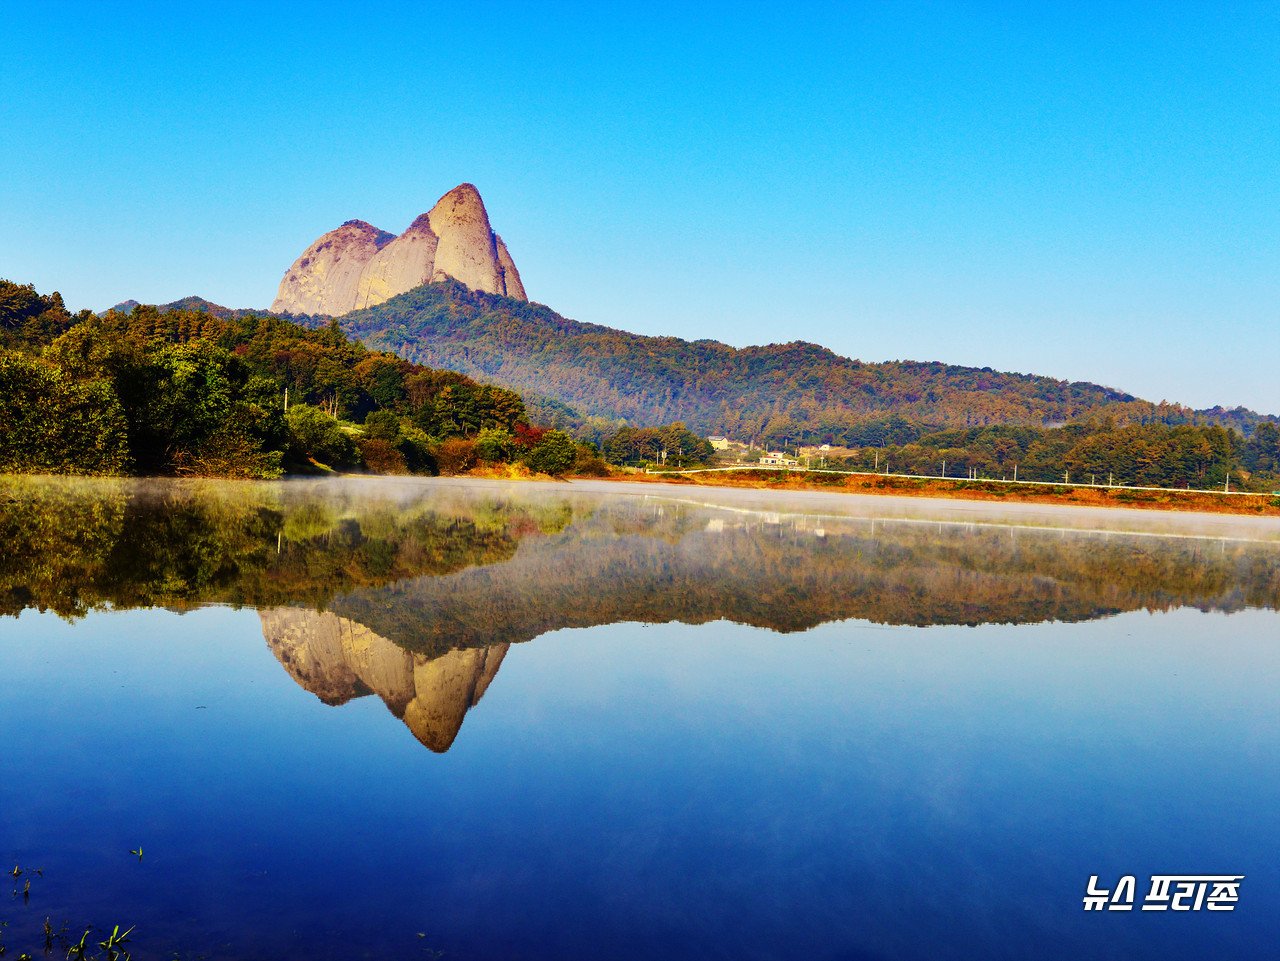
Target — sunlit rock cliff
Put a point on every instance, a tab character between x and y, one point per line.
359	265
338	659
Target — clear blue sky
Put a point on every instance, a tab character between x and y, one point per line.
1088	191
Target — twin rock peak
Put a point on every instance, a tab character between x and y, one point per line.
359	265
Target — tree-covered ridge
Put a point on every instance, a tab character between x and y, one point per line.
179	391
186	303
799	390
186	392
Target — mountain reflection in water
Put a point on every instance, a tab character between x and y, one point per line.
337	659
414	590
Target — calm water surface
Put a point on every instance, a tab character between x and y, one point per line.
473	720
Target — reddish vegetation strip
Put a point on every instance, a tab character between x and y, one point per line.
1253	506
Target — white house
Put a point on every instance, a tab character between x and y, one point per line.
777	459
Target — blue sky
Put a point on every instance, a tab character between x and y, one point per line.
1087	191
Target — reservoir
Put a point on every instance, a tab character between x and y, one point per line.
433	718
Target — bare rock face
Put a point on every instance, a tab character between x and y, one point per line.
510	276
325	278
401	265
359	266
337	659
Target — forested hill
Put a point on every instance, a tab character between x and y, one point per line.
800	390
188	303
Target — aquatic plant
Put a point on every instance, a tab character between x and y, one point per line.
113	942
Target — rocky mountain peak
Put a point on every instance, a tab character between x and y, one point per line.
461	206
357	265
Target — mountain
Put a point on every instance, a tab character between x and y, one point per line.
208	306
124	307
186	303
797	390
357	265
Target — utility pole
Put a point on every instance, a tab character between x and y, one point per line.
1015	473
286	400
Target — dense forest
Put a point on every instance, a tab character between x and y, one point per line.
195	388
187	392
795	390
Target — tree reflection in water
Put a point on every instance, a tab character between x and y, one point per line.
415	590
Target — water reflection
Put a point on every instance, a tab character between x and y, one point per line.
337	659
413	591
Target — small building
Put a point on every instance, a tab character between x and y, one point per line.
718	442
777	459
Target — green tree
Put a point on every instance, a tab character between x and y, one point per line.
382	425
494	445
318	435
554	454
54	424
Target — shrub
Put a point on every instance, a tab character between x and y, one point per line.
455	456
318	435
589	463
418	450
382	456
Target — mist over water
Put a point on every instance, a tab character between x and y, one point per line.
391	718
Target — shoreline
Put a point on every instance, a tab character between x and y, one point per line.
1244	504
987	493
768	503
950	511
